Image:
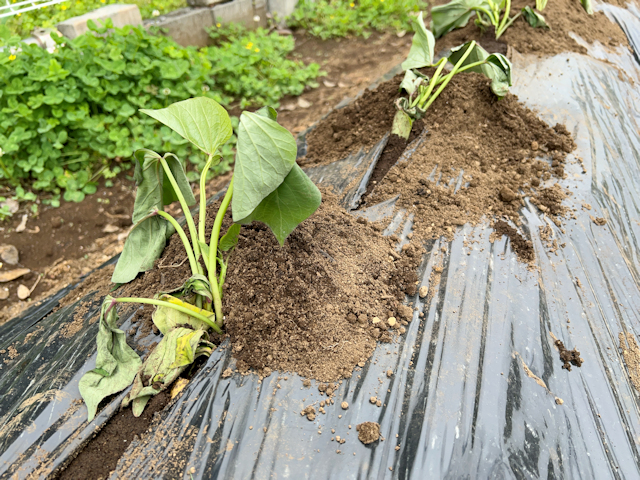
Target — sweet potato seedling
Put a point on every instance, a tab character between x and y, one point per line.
457	13
423	91
267	186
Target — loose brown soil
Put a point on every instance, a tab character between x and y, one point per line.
569	357
480	157
565	17
100	457
368	432
631	355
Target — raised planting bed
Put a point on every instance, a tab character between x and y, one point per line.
407	328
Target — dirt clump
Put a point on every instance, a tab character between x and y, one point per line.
569	357
99	458
309	412
631	355
368	432
519	244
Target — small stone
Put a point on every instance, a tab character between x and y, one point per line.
375	320
507	195
13	274
302	103
110	229
389	373
9	254
559	401
4	293
379	403
392	321
328	84
344	405
424	290
373	400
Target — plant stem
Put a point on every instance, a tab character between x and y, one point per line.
213	252
161	303
185	210
433	82
203	203
450	75
464	69
511	20
195	268
503	24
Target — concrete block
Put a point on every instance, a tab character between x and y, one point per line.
186	26
281	9
260	12
237	11
121	15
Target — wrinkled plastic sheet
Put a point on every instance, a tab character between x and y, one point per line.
475	381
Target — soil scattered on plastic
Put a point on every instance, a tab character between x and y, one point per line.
519	244
631	355
368	432
101	455
569	357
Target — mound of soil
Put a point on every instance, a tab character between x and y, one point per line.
318	305
565	17
481	156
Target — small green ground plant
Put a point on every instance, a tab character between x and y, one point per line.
423	91
71	116
48	17
267	186
488	13
340	18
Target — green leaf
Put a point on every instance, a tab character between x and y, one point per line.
586	4
402	124
73	196
116	365
534	18
455	14
411	82
196	285
200	120
164	364
266	153
268	112
229	239
166	318
497	67
288	206
143	247
422	47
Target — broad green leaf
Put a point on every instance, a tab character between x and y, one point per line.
266	153
497	67
229	239
185	355
289	205
455	14
410	82
586	4
200	120
402	125
534	18
422	47
142	248
163	365
196	285
166	318
116	364
268	112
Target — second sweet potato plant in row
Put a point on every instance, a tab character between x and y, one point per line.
267	186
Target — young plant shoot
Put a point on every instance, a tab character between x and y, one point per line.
267	186
423	91
457	13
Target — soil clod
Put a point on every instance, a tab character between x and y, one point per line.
368	432
569	357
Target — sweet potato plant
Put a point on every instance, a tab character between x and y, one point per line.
457	13
267	186
423	91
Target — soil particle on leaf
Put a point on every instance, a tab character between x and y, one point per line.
368	432
569	357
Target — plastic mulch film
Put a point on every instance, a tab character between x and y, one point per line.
477	382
